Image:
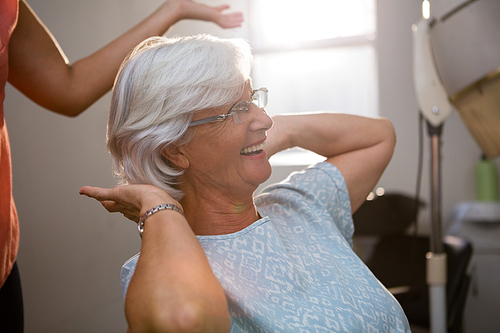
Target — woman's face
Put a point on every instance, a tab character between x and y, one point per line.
227	156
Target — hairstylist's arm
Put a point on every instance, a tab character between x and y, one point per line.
173	288
40	70
359	147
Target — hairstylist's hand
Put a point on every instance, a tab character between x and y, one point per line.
196	11
130	200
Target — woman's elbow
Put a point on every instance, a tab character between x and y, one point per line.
184	318
389	130
192	318
389	137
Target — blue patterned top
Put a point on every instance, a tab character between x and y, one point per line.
294	270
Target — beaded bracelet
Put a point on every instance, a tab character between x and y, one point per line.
140	225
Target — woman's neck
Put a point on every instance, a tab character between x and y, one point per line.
216	213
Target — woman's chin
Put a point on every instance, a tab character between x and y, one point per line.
265	173
258	173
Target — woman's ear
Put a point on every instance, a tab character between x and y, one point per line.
175	155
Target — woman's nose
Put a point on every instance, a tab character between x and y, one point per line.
259	118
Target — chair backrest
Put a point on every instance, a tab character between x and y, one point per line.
386	214
398	259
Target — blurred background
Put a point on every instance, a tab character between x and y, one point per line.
356	58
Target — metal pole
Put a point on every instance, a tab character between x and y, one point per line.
436	244
436	258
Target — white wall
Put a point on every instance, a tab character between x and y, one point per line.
71	249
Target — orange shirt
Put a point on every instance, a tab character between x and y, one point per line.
9	225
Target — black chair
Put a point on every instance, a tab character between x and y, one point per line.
398	259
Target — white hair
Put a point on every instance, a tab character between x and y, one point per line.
159	87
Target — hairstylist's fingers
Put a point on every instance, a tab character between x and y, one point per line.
221	8
232	20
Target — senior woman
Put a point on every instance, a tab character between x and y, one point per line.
191	138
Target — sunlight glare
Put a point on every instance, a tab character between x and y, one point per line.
294	21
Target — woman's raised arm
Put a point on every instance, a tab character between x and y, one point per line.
173	288
359	147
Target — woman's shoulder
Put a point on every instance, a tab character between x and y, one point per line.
318	177
318	192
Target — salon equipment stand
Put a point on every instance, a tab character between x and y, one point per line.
436	258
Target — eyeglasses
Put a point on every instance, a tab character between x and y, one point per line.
239	111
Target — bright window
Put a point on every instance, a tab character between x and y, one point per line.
315	55
293	21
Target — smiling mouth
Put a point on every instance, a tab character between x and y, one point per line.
253	150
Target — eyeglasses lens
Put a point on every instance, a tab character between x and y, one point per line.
260	98
240	110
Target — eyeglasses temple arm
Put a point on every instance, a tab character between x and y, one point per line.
207	120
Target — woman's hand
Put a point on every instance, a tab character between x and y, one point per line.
173	287
130	200
278	137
